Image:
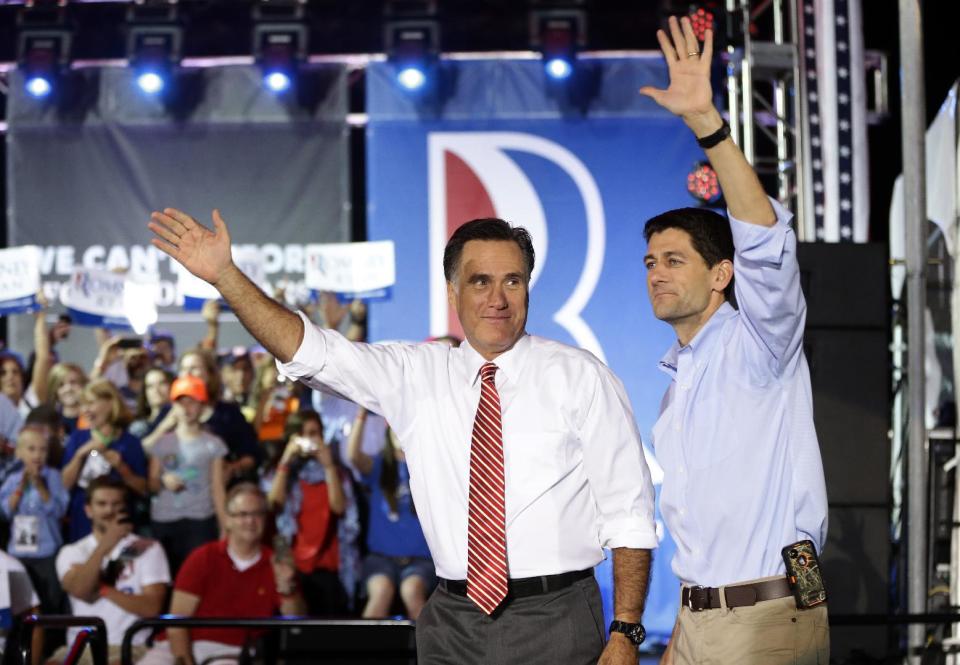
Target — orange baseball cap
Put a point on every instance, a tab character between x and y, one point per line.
189	386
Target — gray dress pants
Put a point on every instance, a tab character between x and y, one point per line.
564	626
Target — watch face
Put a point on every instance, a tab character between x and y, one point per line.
637	634
634	631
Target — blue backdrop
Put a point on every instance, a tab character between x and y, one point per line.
582	178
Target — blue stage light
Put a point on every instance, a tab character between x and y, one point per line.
411	78
277	81
150	82
558	68
38	86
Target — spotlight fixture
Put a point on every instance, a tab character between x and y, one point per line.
280	42
412	48
558	34
154	42
411	39
703	184
43	47
704	15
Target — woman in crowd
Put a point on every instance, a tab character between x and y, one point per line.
106	448
64	389
153	398
317	516
219	417
398	557
27	391
186	476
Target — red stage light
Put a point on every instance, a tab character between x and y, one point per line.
703	185
702	20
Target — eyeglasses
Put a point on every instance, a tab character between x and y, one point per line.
241	514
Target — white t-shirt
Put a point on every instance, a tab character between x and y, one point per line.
146	564
22	595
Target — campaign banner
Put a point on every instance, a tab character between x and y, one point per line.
195	291
352	270
105	299
581	173
278	172
19	279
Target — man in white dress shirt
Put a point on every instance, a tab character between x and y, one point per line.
742	471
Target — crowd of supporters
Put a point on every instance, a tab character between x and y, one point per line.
123	480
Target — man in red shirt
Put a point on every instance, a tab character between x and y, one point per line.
235	577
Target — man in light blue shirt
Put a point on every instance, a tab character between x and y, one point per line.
743	476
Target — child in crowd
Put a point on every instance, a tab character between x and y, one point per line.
106	448
398	557
187	476
33	500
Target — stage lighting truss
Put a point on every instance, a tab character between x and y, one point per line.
154	45
412	46
280	42
558	34
703	184
43	47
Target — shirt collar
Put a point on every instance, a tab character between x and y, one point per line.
702	342
510	363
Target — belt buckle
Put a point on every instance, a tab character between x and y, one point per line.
698	598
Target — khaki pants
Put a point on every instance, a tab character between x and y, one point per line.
772	632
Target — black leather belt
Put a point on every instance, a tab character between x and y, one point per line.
699	598
526	586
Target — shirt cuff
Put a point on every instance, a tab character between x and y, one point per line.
310	357
635	534
762	244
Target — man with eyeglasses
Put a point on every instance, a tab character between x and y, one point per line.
235	576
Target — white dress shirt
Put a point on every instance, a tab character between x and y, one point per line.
742	471
576	478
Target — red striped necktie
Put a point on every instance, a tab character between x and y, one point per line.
486	522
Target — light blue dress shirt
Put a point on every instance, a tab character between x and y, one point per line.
742	470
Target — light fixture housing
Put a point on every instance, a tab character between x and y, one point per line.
43	47
280	42
154	45
413	46
559	35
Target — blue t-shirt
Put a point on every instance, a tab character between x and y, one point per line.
393	533
35	523
131	452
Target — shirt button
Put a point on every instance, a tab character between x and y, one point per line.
681	470
682	512
676	428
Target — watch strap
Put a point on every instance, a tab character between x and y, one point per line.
634	631
712	140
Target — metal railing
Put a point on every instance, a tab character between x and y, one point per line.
400	644
94	633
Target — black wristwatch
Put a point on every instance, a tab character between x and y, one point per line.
634	631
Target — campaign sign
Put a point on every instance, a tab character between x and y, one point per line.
195	291
19	279
353	270
107	299
582	178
